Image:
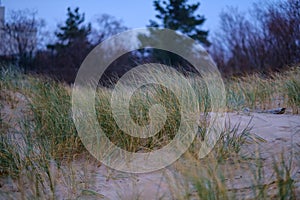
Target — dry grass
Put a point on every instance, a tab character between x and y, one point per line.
39	143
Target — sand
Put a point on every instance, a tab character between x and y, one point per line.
89	179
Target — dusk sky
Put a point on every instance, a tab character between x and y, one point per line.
133	13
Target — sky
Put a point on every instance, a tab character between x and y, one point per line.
133	13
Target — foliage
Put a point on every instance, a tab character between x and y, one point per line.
180	16
72	44
73	31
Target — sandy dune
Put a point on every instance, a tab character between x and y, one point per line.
280	132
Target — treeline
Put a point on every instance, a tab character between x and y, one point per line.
266	38
25	43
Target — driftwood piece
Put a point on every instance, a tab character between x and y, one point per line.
271	111
276	111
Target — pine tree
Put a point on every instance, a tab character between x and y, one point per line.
73	31
176	15
72	45
180	16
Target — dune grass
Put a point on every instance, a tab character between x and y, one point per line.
39	141
259	92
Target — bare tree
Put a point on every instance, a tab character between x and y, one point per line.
21	36
282	26
105	26
266	38
234	33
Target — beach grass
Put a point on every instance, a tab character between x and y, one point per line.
39	141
